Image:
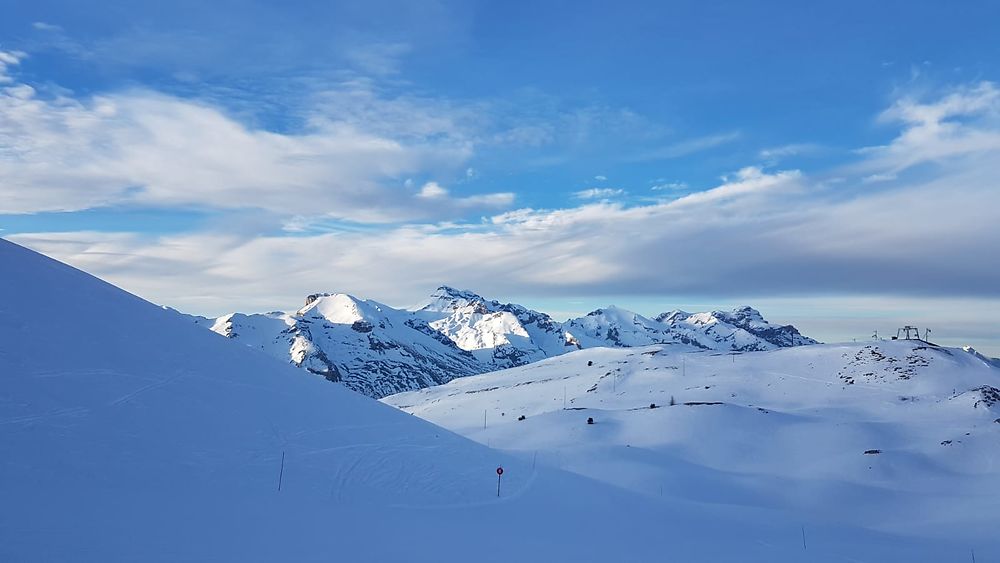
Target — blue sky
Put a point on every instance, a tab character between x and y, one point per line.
832	164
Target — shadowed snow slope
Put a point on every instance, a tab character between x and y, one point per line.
130	434
901	437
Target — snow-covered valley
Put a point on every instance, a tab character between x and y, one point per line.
897	436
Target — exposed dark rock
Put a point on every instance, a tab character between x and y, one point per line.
362	326
990	396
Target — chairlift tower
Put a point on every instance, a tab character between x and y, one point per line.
908	332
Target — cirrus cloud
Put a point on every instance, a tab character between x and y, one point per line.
598	193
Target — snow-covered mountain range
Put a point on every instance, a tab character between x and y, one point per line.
378	350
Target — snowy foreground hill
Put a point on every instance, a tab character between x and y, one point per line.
128	434
378	350
902	437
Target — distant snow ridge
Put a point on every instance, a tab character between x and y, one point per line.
378	350
743	329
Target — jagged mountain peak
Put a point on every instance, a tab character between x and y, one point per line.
447	299
669	316
742	328
615	312
448	291
741	315
498	334
341	308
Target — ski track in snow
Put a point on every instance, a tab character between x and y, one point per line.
145	389
73	411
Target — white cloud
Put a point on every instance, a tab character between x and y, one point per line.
982	98
663	185
498	199
965	123
879	178
63	154
7	60
600	178
432	190
437	192
598	193
749	181
784	151
44	26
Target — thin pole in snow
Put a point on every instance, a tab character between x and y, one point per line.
803	538
281	473
533	458
973	555
564	396
484	420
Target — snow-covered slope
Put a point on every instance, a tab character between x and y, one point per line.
128	434
378	350
991	361
898	436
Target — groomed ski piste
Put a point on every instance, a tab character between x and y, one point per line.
130	434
